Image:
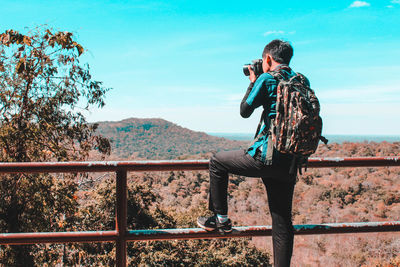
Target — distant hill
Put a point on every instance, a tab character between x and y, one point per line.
160	139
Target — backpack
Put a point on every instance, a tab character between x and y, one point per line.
296	129
297	126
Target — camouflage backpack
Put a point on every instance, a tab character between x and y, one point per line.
297	127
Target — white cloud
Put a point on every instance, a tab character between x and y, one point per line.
274	33
395	1
360	4
233	99
360	118
365	94
361	110
278	33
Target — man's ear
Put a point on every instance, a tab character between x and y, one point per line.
269	60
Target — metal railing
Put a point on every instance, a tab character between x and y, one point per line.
121	234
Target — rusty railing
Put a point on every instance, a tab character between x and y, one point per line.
121	234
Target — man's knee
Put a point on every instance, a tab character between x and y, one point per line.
219	156
223	157
213	159
215	164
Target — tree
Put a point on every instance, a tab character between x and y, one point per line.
42	86
44	89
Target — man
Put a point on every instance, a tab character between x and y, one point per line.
256	161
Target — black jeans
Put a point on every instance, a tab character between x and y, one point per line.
279	184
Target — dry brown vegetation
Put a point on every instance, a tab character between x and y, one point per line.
175	199
325	195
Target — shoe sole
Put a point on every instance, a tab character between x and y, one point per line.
209	229
226	231
206	228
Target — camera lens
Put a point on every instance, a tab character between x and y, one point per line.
246	70
256	66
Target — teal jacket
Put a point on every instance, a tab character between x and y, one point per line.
263	93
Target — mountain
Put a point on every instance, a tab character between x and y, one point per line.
160	139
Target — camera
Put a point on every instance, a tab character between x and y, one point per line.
256	66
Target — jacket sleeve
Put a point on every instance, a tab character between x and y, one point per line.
255	96
245	109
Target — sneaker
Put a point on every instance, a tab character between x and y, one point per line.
212	223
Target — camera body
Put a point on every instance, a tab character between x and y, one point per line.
256	66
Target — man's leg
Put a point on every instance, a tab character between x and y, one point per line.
221	165
280	196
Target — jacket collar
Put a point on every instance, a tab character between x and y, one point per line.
280	67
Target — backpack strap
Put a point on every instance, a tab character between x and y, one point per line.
323	139
258	134
298	162
277	76
259	125
270	146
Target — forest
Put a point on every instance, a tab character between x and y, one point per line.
326	195
175	199
321	196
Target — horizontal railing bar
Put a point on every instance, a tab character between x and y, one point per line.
104	166
249	231
195	233
58	237
354	162
343	228
174	165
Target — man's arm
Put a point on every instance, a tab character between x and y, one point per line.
255	95
245	109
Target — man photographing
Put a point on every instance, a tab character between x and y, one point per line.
260	159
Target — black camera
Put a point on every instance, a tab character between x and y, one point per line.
256	66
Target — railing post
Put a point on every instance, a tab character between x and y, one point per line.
121	218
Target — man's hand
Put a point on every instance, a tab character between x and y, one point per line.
252	76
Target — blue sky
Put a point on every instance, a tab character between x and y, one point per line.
182	60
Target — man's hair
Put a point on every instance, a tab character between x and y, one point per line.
279	50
